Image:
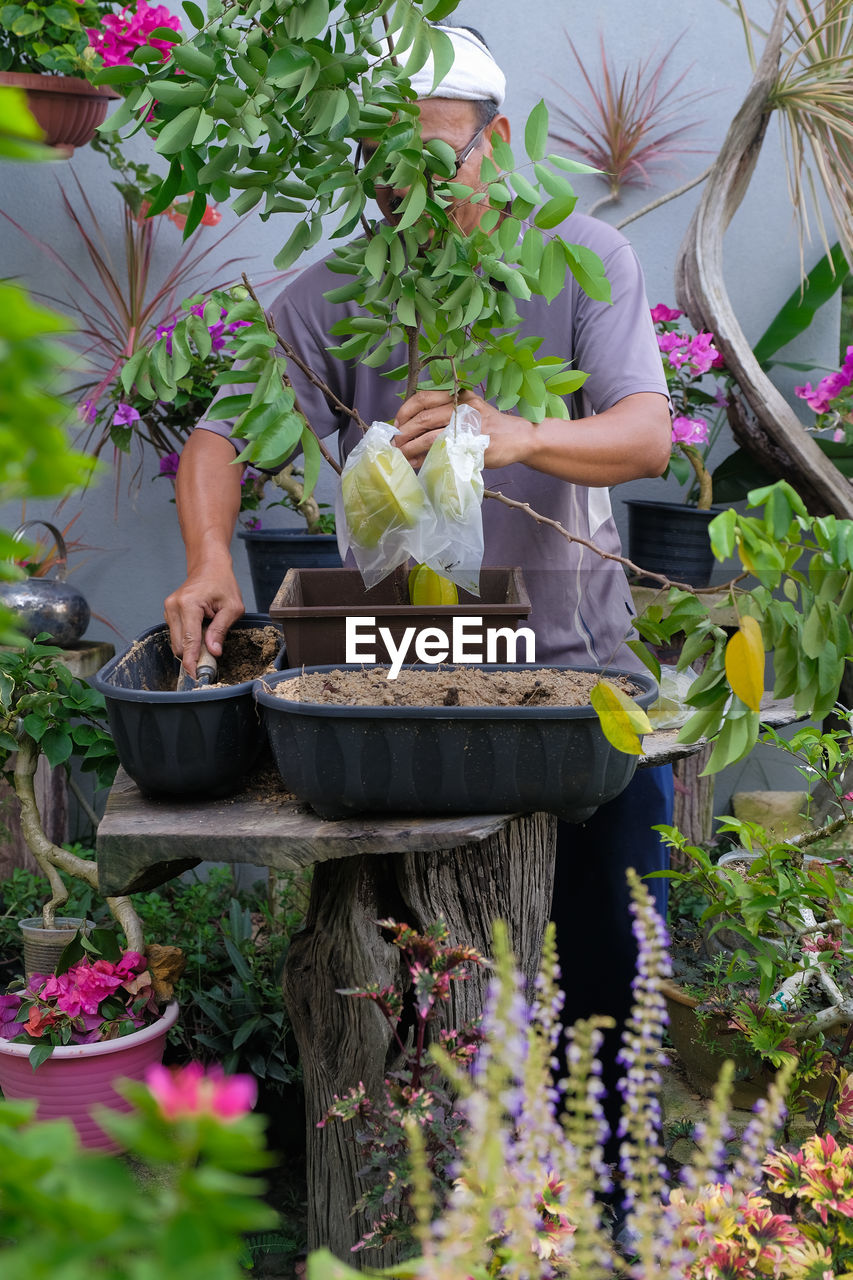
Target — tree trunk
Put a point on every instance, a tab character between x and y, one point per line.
343	1041
776	438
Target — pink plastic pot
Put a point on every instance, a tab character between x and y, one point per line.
79	1077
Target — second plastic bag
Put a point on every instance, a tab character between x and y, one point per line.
452	479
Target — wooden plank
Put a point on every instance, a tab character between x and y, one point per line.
139	835
663	746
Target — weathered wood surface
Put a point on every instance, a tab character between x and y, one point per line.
142	841
663	747
343	1040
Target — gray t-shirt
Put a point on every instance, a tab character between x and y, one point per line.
581	603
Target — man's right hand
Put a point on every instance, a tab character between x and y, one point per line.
207	594
207	491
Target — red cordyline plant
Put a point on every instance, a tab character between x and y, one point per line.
632	123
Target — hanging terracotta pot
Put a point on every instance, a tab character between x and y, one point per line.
67	108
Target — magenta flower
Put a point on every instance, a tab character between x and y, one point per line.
662	314
169	464
125	415
123	33
689	431
9	1008
182	1092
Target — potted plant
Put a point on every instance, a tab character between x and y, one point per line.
669	537
46	50
67	1037
768	981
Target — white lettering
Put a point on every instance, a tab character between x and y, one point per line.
353	639
510	639
431	645
474	628
396	653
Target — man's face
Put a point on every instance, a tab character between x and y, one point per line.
456	123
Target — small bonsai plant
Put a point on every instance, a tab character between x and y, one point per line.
46	710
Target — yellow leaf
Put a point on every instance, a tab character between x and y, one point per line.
621	719
745	663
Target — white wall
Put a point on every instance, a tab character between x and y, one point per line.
139	557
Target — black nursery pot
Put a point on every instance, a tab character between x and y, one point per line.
345	760
196	743
271	552
672	539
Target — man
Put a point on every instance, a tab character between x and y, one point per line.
581	603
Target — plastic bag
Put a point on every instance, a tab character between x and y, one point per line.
669	710
452	479
382	513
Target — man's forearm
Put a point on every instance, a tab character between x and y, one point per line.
630	441
207	492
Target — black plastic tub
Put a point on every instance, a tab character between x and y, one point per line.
195	744
344	760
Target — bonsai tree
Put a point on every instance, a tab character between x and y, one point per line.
268	109
44	709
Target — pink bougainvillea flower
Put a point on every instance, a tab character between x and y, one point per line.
9	1008
689	431
211	217
125	415
182	1092
662	314
121	34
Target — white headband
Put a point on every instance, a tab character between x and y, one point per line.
474	76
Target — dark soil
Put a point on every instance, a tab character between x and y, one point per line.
447	687
247	654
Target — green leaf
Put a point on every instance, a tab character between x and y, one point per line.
721	531
194	14
39	1054
442	50
536	135
797	312
588	269
57	746
296	243
554	211
178	133
646	656
552	270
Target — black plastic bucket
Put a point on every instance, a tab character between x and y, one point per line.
672	539
198	743
344	760
272	552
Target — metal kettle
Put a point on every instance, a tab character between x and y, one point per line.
47	604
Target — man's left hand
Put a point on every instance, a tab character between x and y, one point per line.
424	415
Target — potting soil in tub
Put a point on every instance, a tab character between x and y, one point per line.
447	687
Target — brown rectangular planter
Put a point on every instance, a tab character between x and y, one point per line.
312	606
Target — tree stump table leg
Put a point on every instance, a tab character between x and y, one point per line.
343	1041
693	806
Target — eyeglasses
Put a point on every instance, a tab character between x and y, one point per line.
461	156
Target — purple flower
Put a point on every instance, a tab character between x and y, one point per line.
125	415
252	523
87	410
165	331
169	464
689	430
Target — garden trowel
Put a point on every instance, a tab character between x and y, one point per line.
205	668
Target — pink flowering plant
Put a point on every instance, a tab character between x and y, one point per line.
188	1204
98	992
832	401
71	37
697	389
